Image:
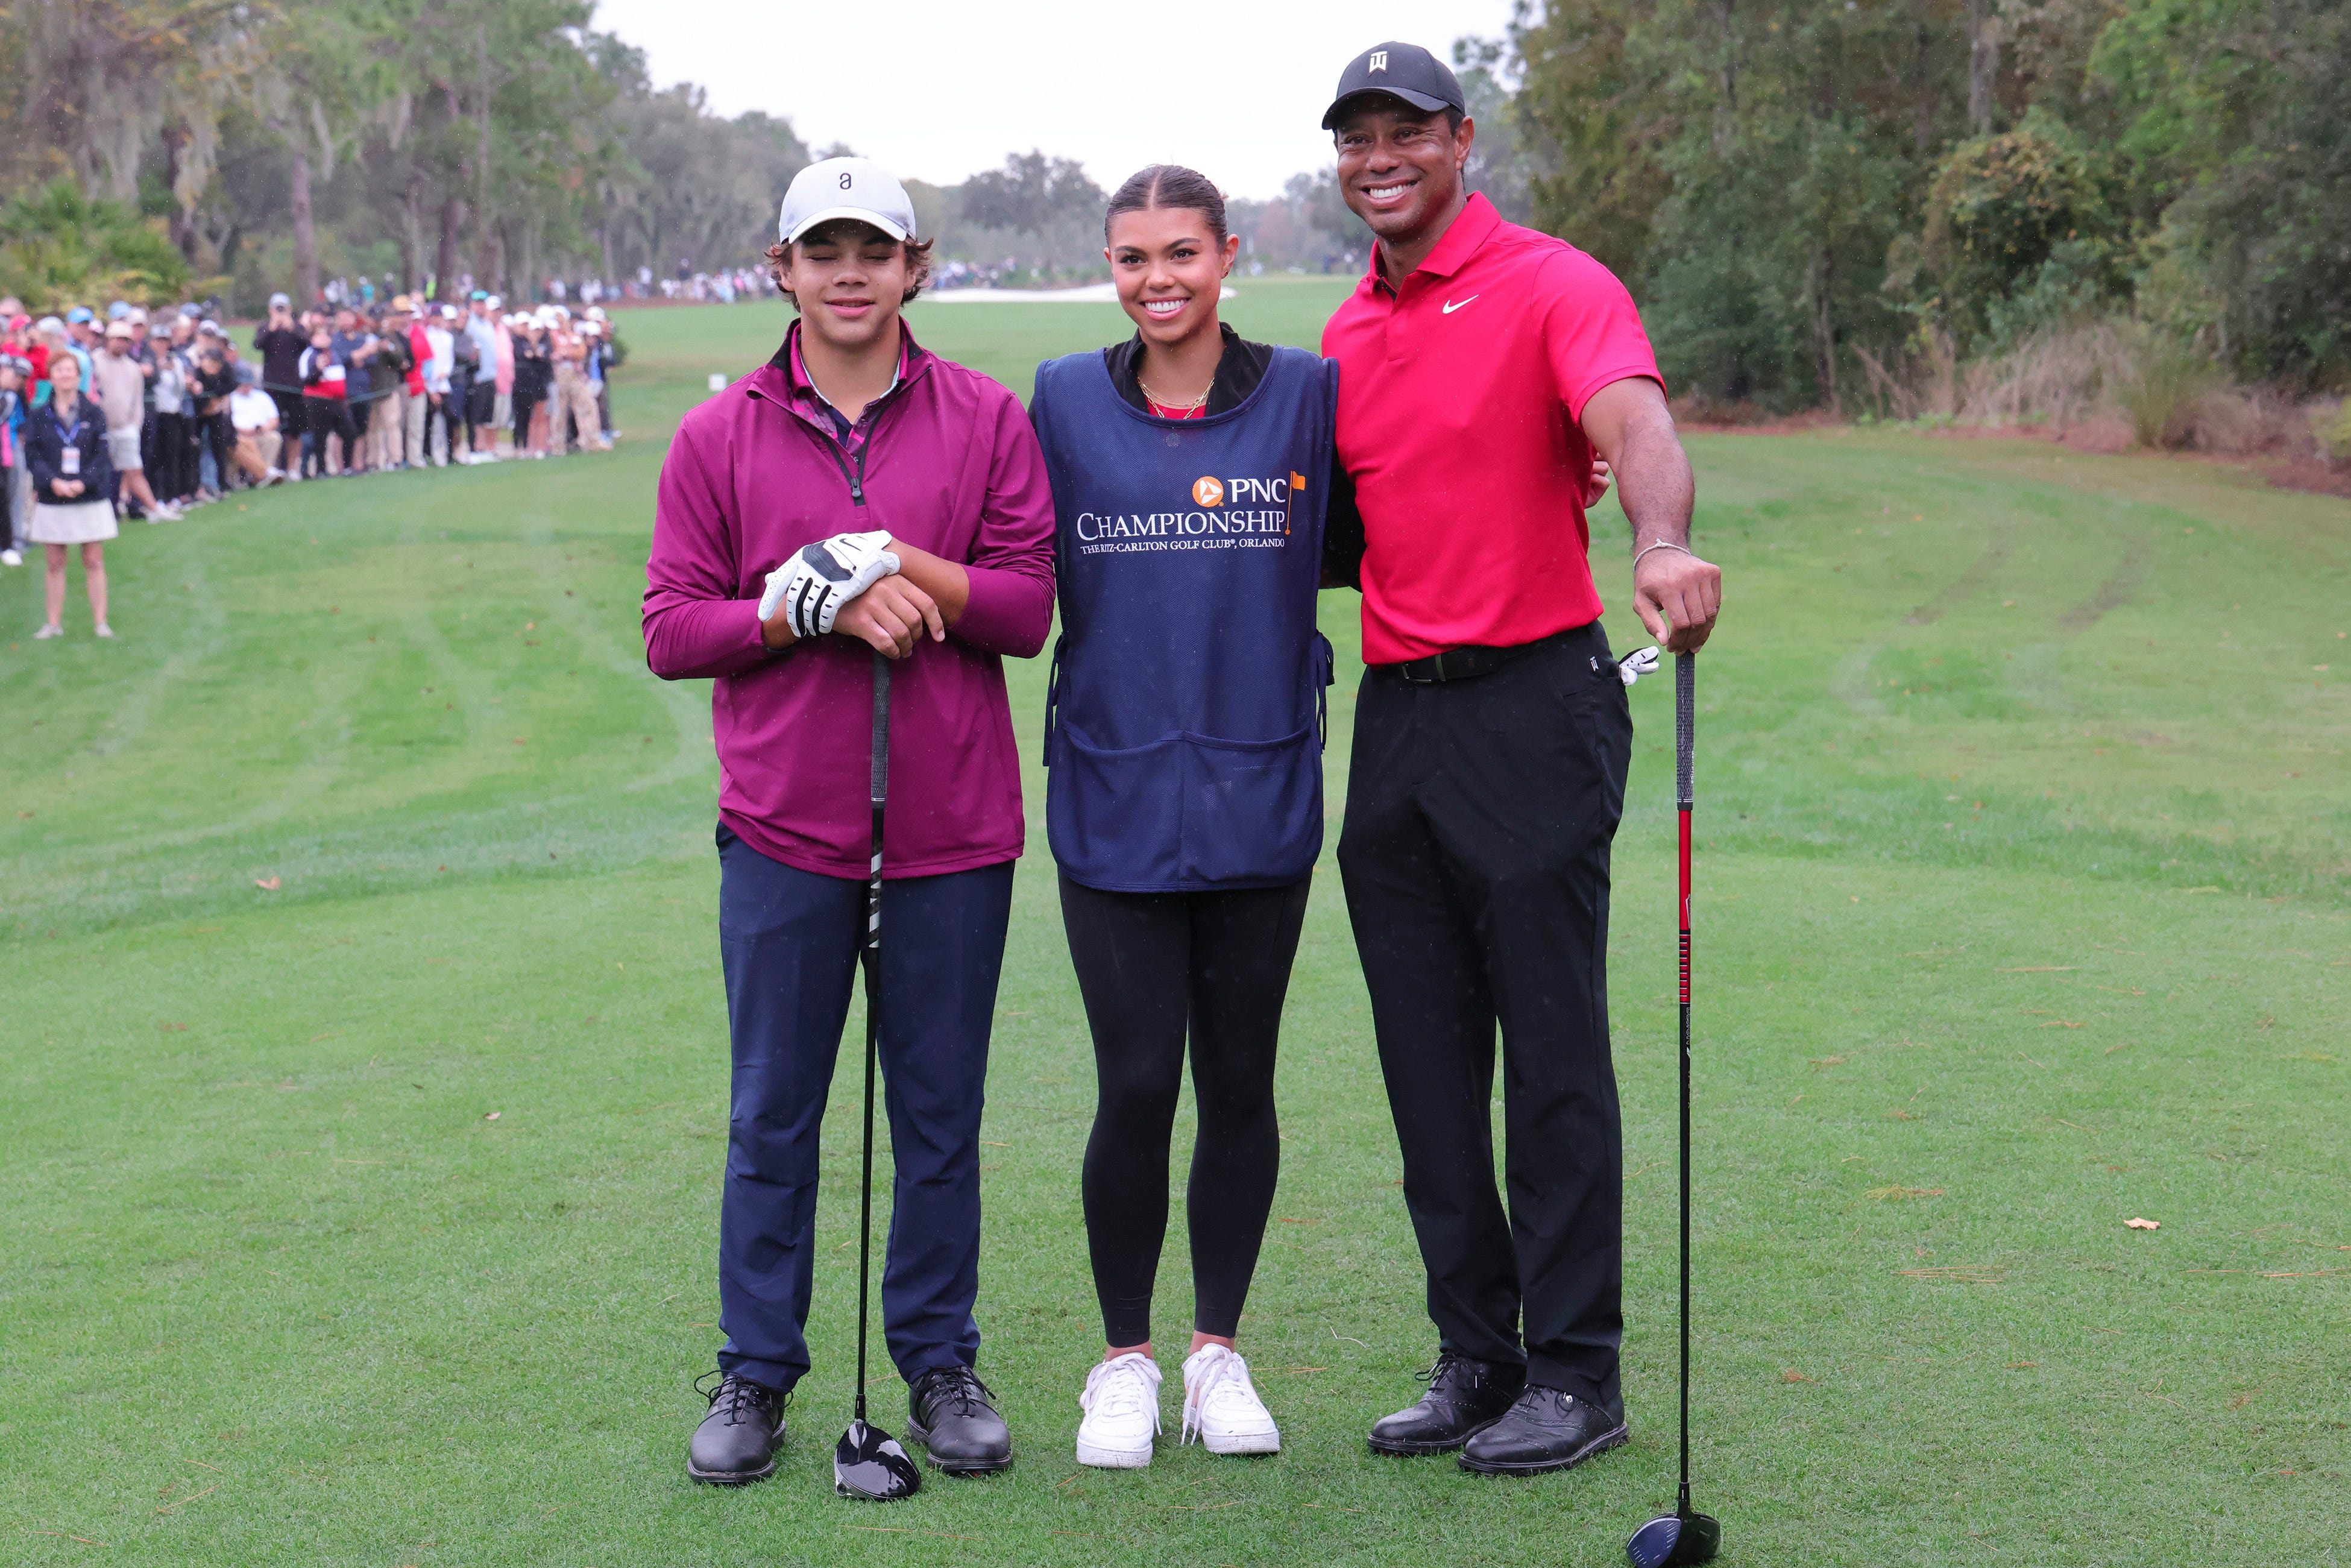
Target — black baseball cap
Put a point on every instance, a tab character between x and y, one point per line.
1405	71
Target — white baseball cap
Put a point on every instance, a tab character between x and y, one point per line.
846	188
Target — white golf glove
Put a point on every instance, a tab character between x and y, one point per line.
814	584
1633	665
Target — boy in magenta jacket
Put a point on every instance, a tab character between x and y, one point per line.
875	496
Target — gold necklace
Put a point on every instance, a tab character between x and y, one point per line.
1178	407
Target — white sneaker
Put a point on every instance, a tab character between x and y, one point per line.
104	630
1121	1407
48	629
11	557
1221	1405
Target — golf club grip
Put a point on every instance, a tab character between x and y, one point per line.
1685	724
881	733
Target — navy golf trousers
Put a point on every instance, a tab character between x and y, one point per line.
789	940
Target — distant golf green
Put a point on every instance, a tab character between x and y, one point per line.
363	1060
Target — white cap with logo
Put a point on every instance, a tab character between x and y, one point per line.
855	188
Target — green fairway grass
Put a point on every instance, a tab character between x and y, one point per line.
2024	841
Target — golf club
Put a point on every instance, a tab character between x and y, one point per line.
868	1463
1684	1535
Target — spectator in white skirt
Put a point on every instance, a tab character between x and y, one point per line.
73	491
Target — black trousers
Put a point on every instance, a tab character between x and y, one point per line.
219	433
323	417
289	416
1154	967
1475	854
168	469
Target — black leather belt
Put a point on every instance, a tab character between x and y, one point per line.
1468	664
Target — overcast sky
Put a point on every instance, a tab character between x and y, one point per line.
940	89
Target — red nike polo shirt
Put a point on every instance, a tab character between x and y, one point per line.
1459	400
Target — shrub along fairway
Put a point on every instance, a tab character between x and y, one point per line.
2021	915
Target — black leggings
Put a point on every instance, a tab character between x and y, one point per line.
1149	964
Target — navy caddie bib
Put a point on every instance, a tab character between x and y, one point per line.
1184	726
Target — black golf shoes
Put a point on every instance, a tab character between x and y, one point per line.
1463	1398
737	1440
1544	1429
951	1413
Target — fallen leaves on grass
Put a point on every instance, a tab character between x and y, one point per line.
1816	1063
190	1498
493	1116
267	884
2020	1365
1792	1375
173	1028
1902	1194
68	1536
2143	1223
2076	1125
1957	1274
2061	1023
2039	969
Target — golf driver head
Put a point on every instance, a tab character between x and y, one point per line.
869	1464
1674	1540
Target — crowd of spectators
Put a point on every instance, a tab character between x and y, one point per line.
143	415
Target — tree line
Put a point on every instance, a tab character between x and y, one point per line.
1821	202
275	143
1816	202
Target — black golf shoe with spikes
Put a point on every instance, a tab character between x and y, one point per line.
951	1413
737	1440
1464	1397
1544	1430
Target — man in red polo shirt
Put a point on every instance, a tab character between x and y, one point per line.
1482	368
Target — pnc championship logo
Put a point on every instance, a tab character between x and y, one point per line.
1243	512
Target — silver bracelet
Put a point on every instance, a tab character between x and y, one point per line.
1661	544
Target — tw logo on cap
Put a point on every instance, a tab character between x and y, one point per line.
1379	60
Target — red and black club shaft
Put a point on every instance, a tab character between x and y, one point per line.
1685	1537
1685	745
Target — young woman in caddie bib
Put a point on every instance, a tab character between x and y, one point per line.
1190	472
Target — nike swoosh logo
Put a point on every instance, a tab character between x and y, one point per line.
1451	305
